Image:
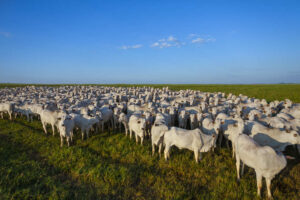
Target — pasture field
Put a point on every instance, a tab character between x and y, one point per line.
270	92
111	166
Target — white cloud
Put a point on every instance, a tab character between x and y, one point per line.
155	44
193	35
171	41
198	40
136	46
210	40
5	34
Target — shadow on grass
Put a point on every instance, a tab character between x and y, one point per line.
75	189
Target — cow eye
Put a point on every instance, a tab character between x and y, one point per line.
295	135
139	122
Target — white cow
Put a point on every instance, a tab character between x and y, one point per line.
137	124
85	123
123	119
157	134
265	161
274	137
182	119
232	131
106	116
194	140
7	107
50	117
193	121
66	126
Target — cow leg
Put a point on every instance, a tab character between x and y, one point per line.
167	148
238	163
87	133
96	128
243	168
196	152
130	133
61	141
259	183
10	115
53	129
68	141
126	131
142	139
233	150
153	149
136	138
44	127
82	134
268	181
159	149
72	134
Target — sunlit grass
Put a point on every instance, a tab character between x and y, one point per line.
111	166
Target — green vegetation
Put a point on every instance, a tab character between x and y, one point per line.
111	166
269	92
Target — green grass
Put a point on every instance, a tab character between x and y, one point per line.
111	166
270	92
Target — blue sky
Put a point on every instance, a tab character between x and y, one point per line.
157	41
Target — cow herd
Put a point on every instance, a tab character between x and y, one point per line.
199	121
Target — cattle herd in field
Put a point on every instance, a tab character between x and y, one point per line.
259	131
